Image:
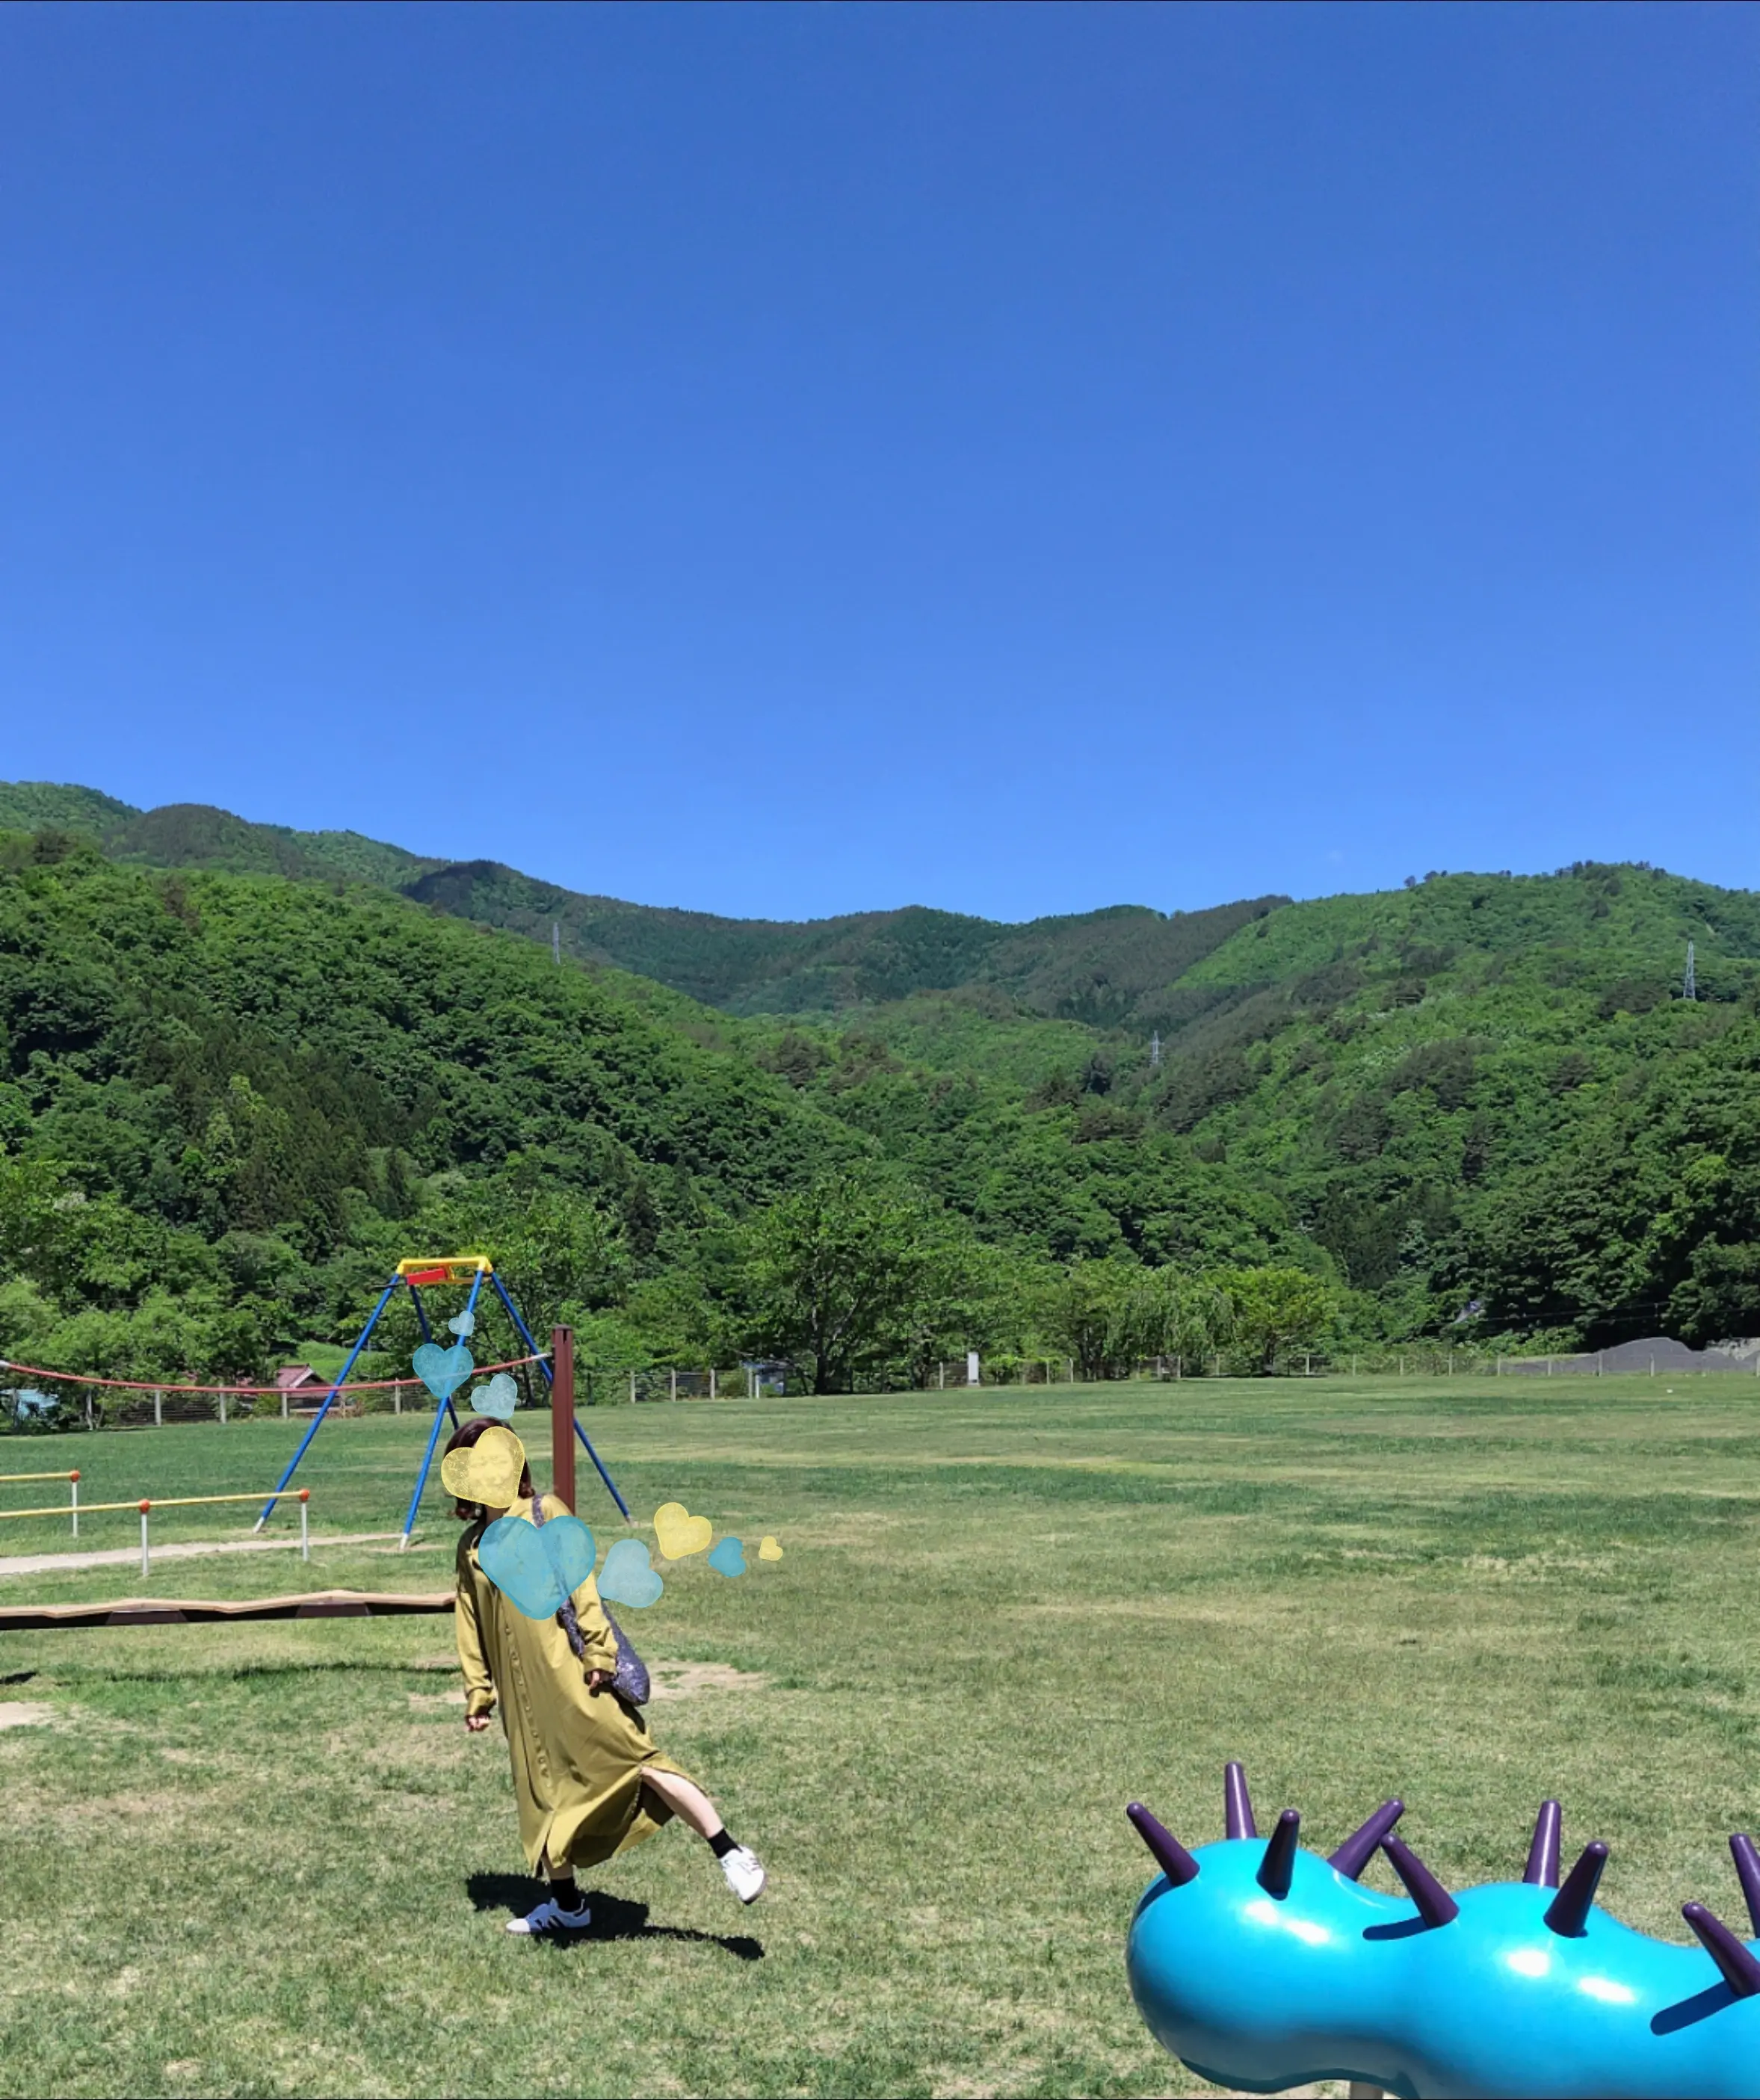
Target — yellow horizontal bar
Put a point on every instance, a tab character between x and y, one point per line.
468	1262
38	1476
184	1502
154	1501
61	1509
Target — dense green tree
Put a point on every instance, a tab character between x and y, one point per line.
850	1274
1275	1309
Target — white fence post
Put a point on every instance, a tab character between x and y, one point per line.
158	1415
222	1409
632	1388
713	1395
144	1559
305	1532
74	1489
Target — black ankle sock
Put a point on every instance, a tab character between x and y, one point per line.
566	1894
722	1844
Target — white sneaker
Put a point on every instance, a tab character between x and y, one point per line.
745	1876
550	1916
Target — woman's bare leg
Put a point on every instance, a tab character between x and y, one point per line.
684	1798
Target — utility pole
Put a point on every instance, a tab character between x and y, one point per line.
1689	988
1154	1051
556	944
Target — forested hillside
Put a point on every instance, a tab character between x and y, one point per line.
1106	968
1477	1106
230	1102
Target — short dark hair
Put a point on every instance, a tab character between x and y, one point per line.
462	1439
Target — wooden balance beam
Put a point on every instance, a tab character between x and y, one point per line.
192	1610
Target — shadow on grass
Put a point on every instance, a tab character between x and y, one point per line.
245	1672
614	1918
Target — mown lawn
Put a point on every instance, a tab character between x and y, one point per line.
268	1859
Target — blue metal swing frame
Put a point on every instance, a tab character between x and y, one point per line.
404	1274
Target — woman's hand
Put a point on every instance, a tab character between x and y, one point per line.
597	1681
477	1722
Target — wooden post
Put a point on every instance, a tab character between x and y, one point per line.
158	1415
712	1381
674	1393
562	1414
632	1388
223	1410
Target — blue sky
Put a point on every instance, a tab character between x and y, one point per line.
790	460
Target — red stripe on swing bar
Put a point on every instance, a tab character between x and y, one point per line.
442	1275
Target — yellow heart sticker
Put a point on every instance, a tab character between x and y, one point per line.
679	1533
487	1472
768	1549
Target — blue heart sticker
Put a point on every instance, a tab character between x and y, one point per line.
572	1550
497	1399
729	1558
628	1576
537	1571
443	1371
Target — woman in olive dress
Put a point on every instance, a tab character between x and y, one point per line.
588	1779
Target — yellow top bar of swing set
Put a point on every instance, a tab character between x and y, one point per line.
459	1268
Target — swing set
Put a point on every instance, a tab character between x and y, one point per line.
424	1273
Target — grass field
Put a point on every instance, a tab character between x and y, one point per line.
268	1859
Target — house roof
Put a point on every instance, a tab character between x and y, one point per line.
291	1377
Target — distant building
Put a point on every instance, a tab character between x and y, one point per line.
295	1377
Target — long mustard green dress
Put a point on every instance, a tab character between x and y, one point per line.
577	1760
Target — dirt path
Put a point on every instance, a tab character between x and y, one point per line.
48	1563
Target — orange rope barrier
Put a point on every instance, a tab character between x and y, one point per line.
247	1392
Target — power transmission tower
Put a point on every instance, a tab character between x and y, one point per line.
1155	1050
556	944
1689	988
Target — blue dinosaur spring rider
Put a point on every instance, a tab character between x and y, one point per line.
1262	1965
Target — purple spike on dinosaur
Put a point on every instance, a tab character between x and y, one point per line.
1748	1873
1740	1970
1167	1850
1279	1862
1362	1845
1567	1912
1237	1804
1542	1868
1436	1906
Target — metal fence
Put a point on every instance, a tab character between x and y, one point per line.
25	1409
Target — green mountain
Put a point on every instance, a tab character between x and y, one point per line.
1107	969
192	835
1477	1105
228	1102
